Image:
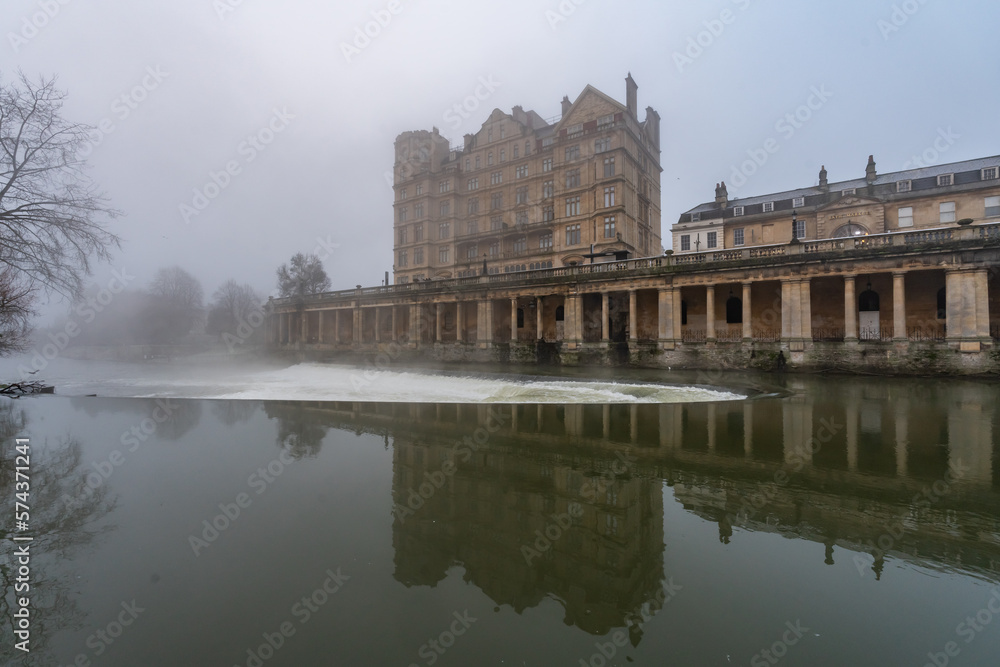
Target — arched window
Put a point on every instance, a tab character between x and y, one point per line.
942	305
734	310
560	314
868	301
850	229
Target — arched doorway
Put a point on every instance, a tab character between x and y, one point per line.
734	310
868	314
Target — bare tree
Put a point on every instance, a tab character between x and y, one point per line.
52	216
16	297
303	275
175	306
232	303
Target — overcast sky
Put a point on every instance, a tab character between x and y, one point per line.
201	77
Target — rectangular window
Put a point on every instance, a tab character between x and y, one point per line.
574	130
988	174
418	211
573	178
420	189
496	223
496	201
609	167
545	241
522	218
489	159
768	207
547	164
473	183
515	151
527	148
472	252
738	236
520	244
947	211
418	256
848	191
945	180
489	134
609	226
609	197
496	178
402	214
800	229
992	207
547	190
685	242
472	227
473	205
906	216
444	230
737	210
548	141
602	145
604	121
402	258
402	235
445	208
903	186
477	162
503	131
468	164
572	206
712	239
494	249
503	155
418	232
402	193
548	213
573	153
521	195
521	171
696	217
798	202
444	186
443	254
572	235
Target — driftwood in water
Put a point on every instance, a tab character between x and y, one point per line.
16	389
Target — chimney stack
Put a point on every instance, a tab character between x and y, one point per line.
870	170
631	101
566	104
721	195
823	184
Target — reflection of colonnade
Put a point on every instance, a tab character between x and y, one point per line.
898	296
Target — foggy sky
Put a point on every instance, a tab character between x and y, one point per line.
200	77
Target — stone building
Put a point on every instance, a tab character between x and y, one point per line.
524	193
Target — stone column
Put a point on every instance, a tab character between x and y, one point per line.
633	319
710	313
304	322
394	335
358	326
899	306
665	313
574	326
747	313
605	333
850	310
981	282
484	323
459	321
416	319
320	333
678	314
378	324
513	320
805	309
539	320
438	321
336	327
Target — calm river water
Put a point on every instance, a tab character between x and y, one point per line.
316	515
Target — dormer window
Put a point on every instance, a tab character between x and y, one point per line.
737	210
847	192
768	207
944	180
798	202
903	186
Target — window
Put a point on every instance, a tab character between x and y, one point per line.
444	230
402	258
489	159
609	197
547	164
515	152
573	178
768	207
521	171
609	167
496	201
545	241
472	252
798	202
573	130
572	234
496	223
402	214
527	148
443	254
418	256
799	229
473	205
573	153
548	213
903	186
906	216
420	189
418	211
472	227
948	211
848	191
572	206
609	226
473	183
712	239
685	242
468	164
737	210
494	249
503	154
520	244
477	162
604	121
602	145
489	134
738	236
402	235
522	218
992	207
402	193
988	174
548	141
547	190
496	178
944	180
444	186
445	208
418	232
521	195
503	131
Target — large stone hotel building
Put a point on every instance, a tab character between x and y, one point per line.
524	193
